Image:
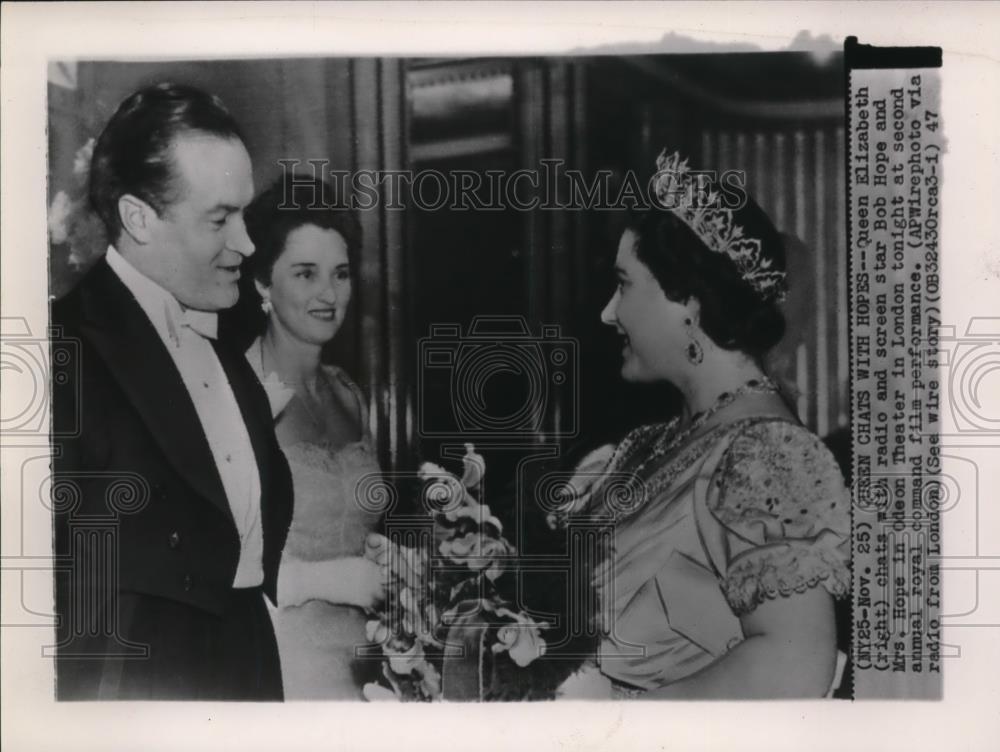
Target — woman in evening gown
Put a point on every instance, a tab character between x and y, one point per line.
302	273
730	523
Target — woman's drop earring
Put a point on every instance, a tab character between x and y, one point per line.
694	351
266	307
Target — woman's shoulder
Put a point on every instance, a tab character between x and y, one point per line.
779	441
339	380
782	500
775	465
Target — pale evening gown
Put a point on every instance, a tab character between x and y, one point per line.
318	641
752	510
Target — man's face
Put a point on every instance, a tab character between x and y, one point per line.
199	241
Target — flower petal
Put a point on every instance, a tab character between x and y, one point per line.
377	693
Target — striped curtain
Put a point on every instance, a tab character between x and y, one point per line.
796	173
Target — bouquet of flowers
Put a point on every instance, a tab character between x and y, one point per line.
450	627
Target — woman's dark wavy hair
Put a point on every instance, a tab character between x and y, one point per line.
132	154
733	314
288	204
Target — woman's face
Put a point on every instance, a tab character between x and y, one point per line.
310	285
653	326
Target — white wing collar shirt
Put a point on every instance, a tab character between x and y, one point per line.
186	334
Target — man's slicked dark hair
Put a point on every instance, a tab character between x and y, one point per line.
132	154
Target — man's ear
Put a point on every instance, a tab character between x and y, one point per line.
137	218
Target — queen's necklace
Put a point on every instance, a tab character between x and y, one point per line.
664	447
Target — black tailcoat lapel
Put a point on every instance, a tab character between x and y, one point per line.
275	478
139	361
176	556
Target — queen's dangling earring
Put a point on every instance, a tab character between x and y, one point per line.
694	350
266	307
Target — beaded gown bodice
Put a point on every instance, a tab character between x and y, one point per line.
749	510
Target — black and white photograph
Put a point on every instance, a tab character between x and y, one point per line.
581	376
527	272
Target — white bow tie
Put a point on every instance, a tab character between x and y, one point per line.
202	322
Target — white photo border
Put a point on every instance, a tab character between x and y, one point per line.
34	33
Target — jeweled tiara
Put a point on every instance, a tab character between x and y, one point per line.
702	211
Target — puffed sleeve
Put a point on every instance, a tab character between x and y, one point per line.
784	509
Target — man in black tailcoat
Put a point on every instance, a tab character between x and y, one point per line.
171	497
